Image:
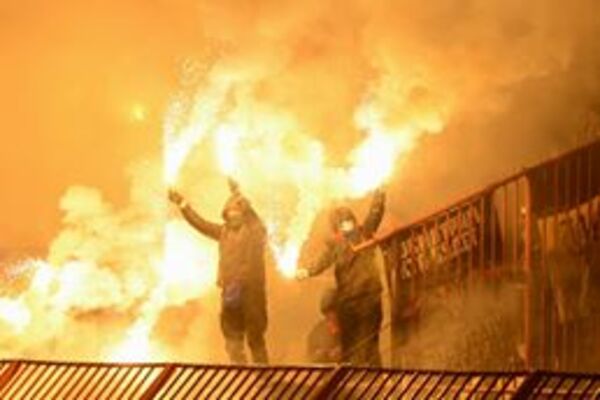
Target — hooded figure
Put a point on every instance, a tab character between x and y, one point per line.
358	305
241	274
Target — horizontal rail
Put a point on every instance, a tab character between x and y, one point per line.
473	196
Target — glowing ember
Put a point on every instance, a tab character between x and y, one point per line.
182	134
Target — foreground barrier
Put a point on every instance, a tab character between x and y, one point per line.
20	379
539	230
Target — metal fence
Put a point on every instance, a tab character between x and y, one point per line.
540	229
357	383
69	380
55	380
238	382
548	385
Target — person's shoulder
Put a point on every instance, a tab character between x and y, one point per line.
257	226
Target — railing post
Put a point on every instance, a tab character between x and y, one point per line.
338	375
527	388
10	372
158	383
527	265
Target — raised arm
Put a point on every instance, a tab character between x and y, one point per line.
375	215
207	228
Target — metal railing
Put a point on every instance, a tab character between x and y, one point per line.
21	379
539	228
241	382
362	383
59	380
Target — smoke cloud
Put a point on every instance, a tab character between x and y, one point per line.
467	90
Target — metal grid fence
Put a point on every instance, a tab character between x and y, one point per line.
361	383
539	227
240	382
55	380
32	380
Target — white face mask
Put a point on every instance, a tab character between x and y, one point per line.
347	226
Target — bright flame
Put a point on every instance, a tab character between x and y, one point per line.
15	313
373	163
143	259
227	143
185	267
183	273
137	346
43	278
287	258
182	134
266	151
288	173
179	273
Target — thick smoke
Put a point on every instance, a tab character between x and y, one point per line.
508	82
499	83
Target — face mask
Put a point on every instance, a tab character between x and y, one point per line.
347	226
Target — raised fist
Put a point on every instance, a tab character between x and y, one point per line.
175	197
234	187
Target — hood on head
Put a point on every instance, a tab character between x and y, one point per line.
340	214
236	202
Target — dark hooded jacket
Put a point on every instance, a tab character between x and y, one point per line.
355	272
241	248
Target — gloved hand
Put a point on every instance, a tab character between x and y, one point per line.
234	186
175	197
302	274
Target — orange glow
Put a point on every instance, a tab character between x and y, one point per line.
138	112
104	261
306	104
261	146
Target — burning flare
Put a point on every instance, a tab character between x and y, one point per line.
143	260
